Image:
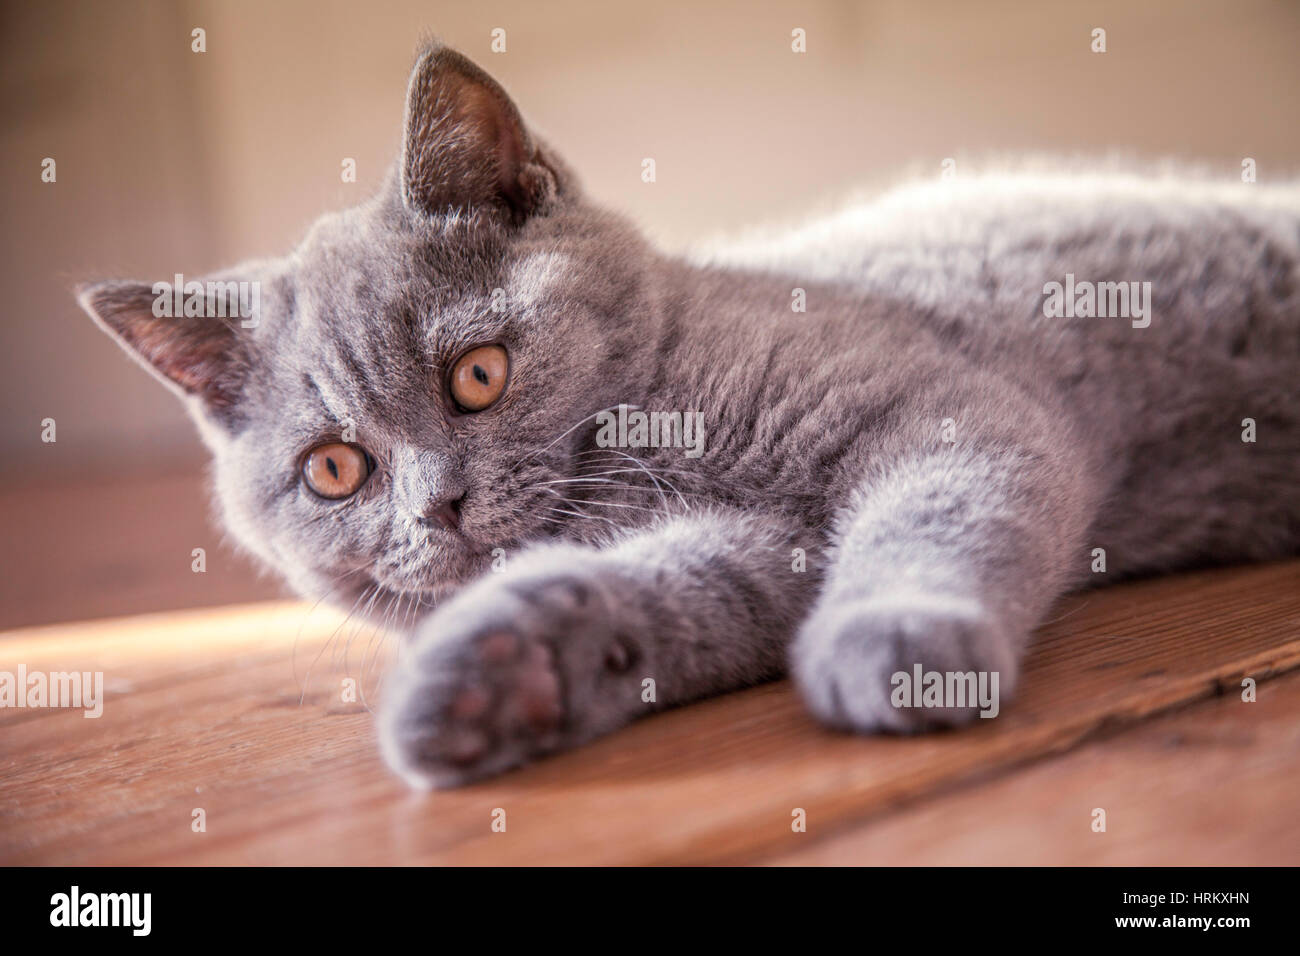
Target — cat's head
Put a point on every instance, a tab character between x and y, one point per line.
396	398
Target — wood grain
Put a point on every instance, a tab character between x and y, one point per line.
204	712
1210	784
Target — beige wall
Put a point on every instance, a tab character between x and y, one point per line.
170	161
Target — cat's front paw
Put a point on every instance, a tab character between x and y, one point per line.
514	668
903	667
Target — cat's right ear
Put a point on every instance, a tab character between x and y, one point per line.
196	357
465	145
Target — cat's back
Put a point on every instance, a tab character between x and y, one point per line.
985	245
996	272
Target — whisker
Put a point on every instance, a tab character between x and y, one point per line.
568	431
624	485
656	479
330	640
579	514
378	639
668	469
297	639
611	504
365	616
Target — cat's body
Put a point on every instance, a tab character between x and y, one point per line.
908	471
958	269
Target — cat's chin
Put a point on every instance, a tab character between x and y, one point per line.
385	603
414	602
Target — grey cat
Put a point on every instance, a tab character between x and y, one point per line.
910	470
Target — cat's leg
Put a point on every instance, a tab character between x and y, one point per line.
569	642
946	558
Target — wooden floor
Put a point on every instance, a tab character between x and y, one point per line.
102	547
1131	703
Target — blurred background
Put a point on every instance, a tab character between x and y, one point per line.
172	161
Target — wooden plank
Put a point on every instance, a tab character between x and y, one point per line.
206	714
1211	784
97	548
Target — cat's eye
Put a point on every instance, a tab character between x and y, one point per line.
336	470
479	377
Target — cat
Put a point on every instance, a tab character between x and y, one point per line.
911	445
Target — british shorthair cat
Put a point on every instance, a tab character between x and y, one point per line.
601	480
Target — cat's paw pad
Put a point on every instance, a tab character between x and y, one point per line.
480	708
515	668
879	666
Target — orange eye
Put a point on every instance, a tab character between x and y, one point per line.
479	377
336	470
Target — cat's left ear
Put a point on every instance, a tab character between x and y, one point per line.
465	144
197	357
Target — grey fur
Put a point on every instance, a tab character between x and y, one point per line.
825	429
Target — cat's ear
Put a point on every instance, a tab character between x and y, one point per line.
465	144
195	356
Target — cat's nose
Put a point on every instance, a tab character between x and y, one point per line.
430	488
442	514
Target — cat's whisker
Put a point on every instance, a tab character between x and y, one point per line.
657	468
644	469
612	504
579	514
657	473
594	452
330	640
622	485
409	617
379	641
568	431
368	610
366	659
297	639
378	631
378	636
339	657
655	478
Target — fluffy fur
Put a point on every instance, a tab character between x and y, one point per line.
945	455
